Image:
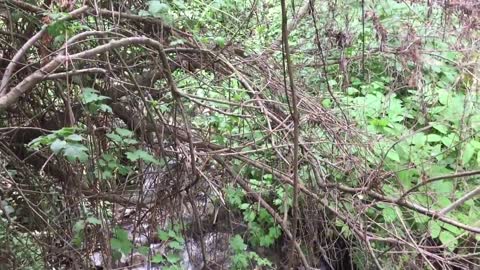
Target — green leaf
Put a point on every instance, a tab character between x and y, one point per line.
121	234
173	258
130	141
442	202
406	177
220	41
158	258
144	250
244	206
440	128
450	139
468	152
237	244
76	151
94	220
266	241
420	218
275	232
327	103
352	91
157	8
114	137
419	139
434	138
143	13
453	229
79	225
445	187
434	229
75	138
175	245
249	216
58	145
443	96
123	246
66	131
143	155
448	240
124	132
163	235
389	214
172	233
475	122
91	95
105	108
393	155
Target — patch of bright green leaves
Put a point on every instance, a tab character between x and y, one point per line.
65	142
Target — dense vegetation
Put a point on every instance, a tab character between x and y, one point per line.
253	134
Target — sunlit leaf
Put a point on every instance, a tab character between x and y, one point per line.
58	145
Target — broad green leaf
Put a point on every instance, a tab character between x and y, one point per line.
144	250
450	139
173	258
444	186
393	155
434	138
453	229
327	103
76	151
130	141
244	206
352	91
266	240
448	240
172	233
249	216
237	244
406	177
420	218
105	108
79	225
163	235
124	132
175	245
437	170
121	234
94	220
419	139
74	138
58	145
442	202
468	152
116	244
143	13
114	137
440	128
434	229
443	96
66	131
158	258
123	246
220	41
389	214
275	232
475	122
157	8
91	95
143	155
